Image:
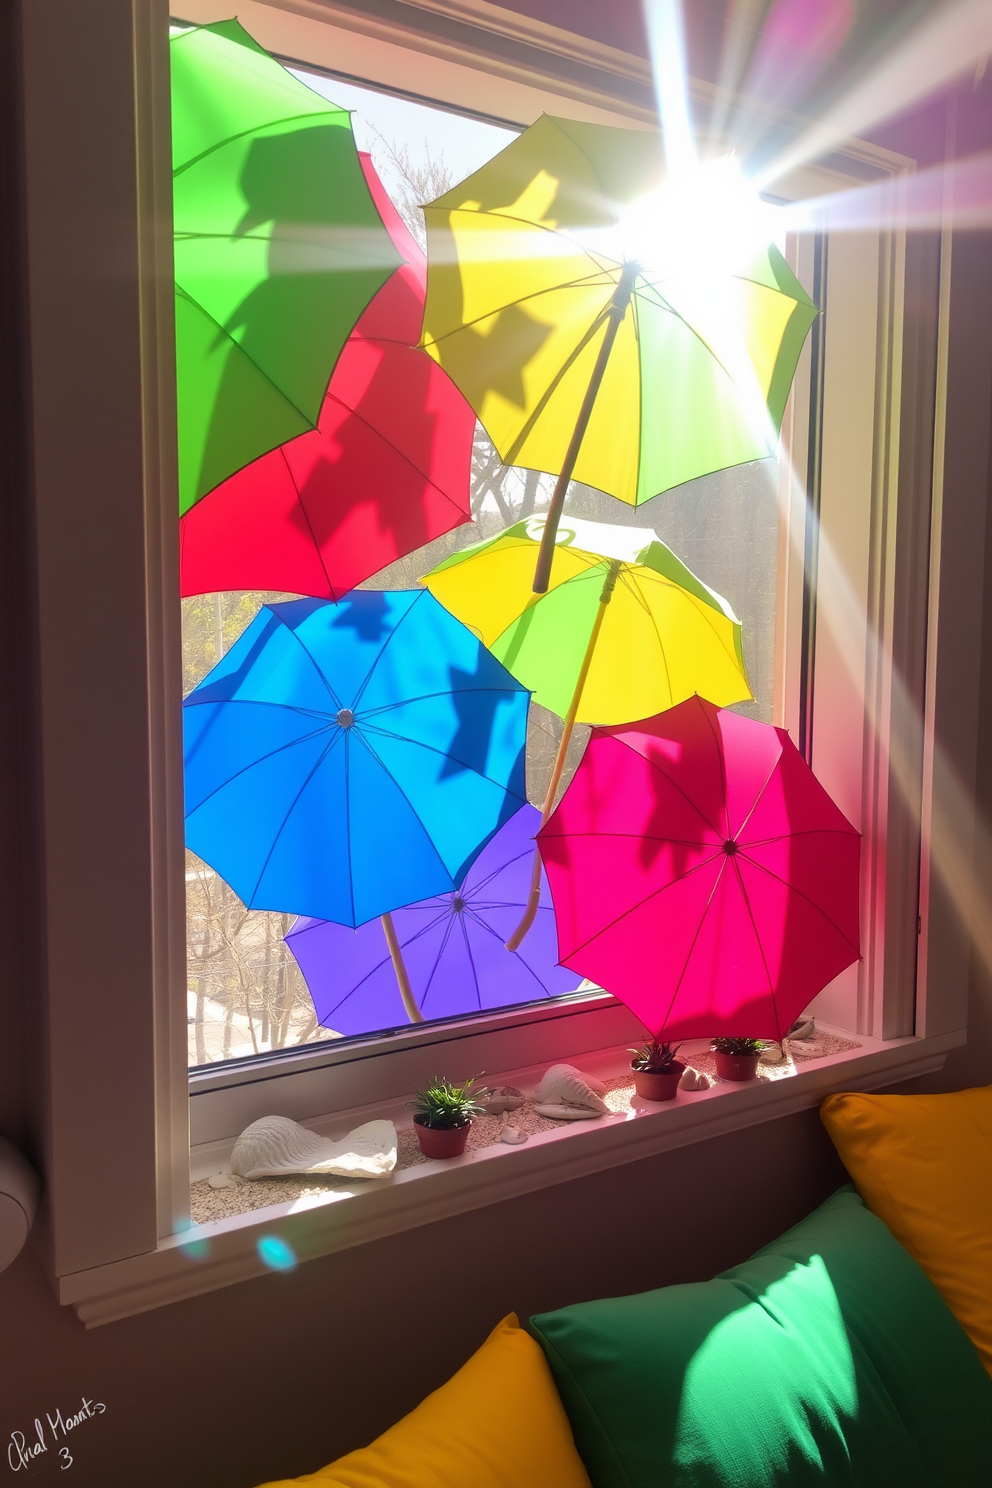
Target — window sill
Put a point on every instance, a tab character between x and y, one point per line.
224	1252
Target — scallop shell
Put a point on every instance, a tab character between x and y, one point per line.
503	1098
693	1079
566	1094
274	1146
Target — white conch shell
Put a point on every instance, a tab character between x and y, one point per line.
772	1054
503	1098
693	1079
274	1146
566	1094
512	1136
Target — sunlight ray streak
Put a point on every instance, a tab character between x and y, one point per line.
666	41
939	49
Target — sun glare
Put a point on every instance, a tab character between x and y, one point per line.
704	221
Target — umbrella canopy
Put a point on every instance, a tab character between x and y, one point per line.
702	874
556	251
344	759
665	635
452	945
278	250
387	469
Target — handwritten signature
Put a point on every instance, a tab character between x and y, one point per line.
23	1449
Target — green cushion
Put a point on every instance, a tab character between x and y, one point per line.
826	1358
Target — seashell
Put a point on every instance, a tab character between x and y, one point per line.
274	1146
503	1098
220	1180
513	1136
566	1094
771	1054
803	1029
693	1079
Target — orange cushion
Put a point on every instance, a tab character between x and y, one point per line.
923	1164
497	1424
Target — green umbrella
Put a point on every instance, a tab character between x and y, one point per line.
278	250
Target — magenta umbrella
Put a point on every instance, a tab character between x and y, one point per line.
702	874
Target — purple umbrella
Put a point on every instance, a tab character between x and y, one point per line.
453	947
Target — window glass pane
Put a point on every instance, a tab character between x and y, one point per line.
246	994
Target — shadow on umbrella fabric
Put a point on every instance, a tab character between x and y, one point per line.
452	944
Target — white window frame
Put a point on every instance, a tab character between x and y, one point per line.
111	755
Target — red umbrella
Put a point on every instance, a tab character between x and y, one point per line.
386	470
702	874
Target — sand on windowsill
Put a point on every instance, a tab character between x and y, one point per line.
244	1195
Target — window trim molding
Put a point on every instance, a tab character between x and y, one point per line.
117	1101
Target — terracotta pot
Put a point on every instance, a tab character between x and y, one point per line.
658	1085
442	1141
737	1066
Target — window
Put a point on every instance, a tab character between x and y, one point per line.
246	992
890	428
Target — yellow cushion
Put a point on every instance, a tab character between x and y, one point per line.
497	1424
923	1164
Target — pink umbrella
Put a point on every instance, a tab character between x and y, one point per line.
702	874
386	470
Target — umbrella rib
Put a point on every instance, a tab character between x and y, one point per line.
647	898
661	646
705	611
587	280
471	962
311	658
259	369
792	889
655	765
306	515
382	651
723	767
430	841
802	832
520	959
757	940
433	749
757	800
553	386
270	754
695	938
424	697
255	129
437	961
360	418
296	799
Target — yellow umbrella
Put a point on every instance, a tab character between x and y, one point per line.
625	630
605	323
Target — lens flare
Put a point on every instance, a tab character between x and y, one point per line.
276	1253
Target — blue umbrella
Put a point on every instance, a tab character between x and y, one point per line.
452	944
344	759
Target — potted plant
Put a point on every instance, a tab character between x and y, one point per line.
656	1070
443	1115
737	1058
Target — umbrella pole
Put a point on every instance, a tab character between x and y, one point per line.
534	896
399	967
615	314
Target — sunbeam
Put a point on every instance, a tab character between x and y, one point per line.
958	195
935	52
666	40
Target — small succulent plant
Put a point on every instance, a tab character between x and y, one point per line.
741	1047
443	1105
655	1057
